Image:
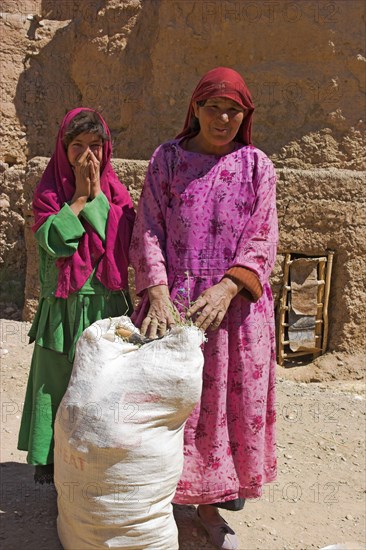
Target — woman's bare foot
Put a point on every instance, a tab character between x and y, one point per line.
209	514
220	533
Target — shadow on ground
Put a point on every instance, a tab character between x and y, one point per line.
29	512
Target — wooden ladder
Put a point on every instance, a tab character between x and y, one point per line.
325	264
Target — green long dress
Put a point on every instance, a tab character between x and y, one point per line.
59	323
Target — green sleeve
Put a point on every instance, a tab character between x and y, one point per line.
59	235
96	213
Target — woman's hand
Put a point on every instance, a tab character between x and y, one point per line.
213	303
160	316
82	183
82	175
94	170
87	180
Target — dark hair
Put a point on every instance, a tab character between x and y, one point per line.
85	121
195	125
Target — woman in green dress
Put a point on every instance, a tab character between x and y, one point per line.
83	224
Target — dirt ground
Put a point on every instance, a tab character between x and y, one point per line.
317	500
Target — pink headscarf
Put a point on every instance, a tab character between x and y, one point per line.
223	82
57	186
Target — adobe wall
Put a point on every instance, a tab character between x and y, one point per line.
317	210
137	62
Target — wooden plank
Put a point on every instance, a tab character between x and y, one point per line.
298	353
283	308
319	316
328	277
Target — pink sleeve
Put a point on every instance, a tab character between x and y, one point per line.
147	248
258	243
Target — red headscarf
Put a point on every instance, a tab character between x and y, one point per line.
57	186
223	82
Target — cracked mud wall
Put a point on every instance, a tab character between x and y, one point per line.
317	210
137	61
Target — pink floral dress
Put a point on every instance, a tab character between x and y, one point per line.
203	214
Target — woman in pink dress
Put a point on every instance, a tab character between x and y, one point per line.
205	237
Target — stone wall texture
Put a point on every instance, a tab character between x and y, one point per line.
137	62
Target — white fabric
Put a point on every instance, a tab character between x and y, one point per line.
119	438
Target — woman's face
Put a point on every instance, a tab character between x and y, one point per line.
220	119
84	141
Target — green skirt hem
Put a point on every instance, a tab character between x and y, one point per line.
47	383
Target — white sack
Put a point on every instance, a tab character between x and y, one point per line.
119	438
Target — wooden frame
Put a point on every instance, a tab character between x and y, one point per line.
325	264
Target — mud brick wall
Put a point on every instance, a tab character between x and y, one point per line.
317	210
137	62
